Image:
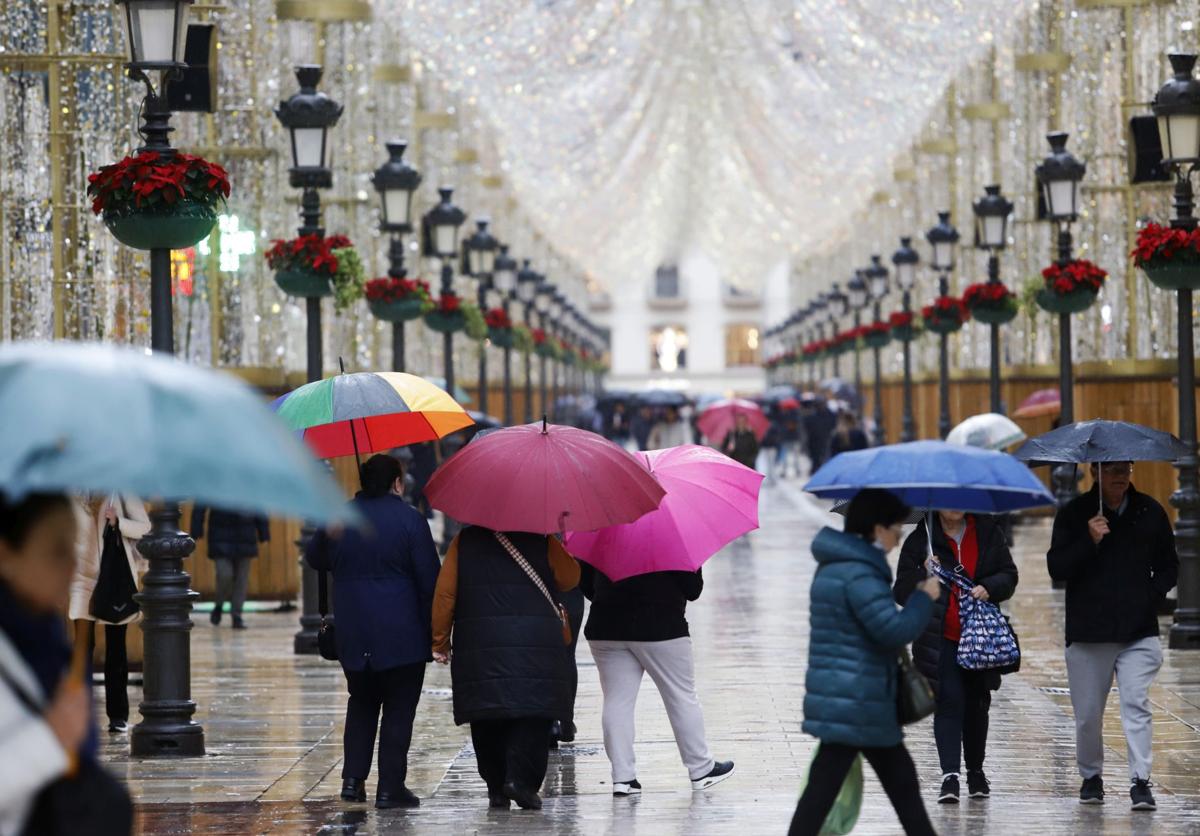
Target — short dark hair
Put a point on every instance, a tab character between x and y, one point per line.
871	507
17	519
379	474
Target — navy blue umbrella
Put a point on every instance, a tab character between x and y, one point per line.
934	474
1101	441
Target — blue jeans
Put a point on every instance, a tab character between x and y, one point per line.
960	724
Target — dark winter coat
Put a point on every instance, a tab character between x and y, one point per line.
741	446
857	633
383	580
855	439
509	660
994	571
230	534
1114	587
645	608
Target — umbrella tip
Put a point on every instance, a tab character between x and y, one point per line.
342	364
545	429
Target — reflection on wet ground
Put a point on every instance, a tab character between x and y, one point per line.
273	722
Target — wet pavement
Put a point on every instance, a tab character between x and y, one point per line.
273	723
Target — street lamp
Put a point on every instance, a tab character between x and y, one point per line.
905	260
545	295
942	237
527	288
856	291
155	31
991	234
442	223
504	277
836	306
396	182
877	284
557	306
1059	175
817	310
480	251
1177	106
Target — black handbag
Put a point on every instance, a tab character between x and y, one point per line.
914	696
326	635
112	599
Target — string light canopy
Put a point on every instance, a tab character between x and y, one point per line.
746	132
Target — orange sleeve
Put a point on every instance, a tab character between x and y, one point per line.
564	567
444	597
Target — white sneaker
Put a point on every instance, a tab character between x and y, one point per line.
720	771
624	788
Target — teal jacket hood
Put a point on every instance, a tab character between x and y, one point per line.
832	546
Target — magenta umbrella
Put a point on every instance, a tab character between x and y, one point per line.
717	420
1041	402
543	479
711	500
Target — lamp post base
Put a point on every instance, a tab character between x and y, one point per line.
1185	635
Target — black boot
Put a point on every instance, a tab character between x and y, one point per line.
526	799
567	735
215	616
354	789
402	797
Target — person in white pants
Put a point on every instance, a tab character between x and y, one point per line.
637	626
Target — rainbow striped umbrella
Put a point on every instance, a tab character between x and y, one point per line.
370	412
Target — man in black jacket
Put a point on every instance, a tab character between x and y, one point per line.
1115	549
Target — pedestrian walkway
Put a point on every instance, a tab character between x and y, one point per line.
273	724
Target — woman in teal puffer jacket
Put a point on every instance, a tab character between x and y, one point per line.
851	685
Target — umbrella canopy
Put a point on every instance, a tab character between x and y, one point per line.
711	500
934	474
662	397
989	431
779	393
719	418
369	412
1101	441
103	419
1041	402
543	479
460	394
915	515
613	396
484	421
788	403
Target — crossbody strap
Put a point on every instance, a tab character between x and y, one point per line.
520	560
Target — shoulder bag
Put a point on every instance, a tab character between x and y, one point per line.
113	599
326	635
914	696
987	641
519	559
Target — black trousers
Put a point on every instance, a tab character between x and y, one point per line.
573	601
512	750
895	770
960	724
116	666
394	693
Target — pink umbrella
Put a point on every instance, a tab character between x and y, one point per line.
711	500
543	479
717	420
1041	402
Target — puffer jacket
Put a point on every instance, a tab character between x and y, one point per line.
857	633
994	571
230	534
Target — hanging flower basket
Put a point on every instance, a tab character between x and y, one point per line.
877	334
1070	288
1169	257
522	339
500	328
991	303
945	316
903	327
304	281
447	316
313	266
150	201
567	353
544	345
397	300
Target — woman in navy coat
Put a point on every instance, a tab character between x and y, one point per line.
850	701
384	575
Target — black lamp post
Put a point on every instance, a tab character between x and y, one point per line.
442	223
308	116
545	293
396	181
818	312
1059	176
877	285
906	259
942	238
557	367
480	251
991	234
837	304
1177	106
156	34
856	292
527	292
504	277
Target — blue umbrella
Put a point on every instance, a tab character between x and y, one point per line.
934	474
102	419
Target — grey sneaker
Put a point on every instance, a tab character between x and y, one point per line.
720	771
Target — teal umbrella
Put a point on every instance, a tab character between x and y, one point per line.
97	418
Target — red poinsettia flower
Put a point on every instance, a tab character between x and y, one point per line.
987	295
901	319
1080	274
945	307
449	303
149	178
310	252
497	318
539	336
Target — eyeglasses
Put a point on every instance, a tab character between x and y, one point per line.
1115	469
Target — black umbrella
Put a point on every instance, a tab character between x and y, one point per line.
662	397
1101	441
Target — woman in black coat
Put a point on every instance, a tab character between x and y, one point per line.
511	667
233	540
975	545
